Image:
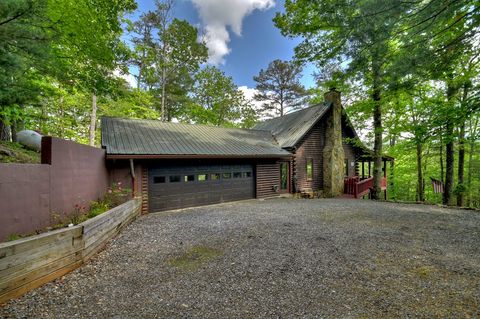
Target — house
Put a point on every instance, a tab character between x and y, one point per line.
173	165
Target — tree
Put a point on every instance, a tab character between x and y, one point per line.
87	45
357	35
216	100
279	87
178	60
167	54
24	48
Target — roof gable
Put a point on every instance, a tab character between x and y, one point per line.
290	128
152	137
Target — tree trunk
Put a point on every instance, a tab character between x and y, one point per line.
470	170
164	72
4	131
449	151
93	120
461	164
391	181
13	129
420	182
377	148
442	172
461	153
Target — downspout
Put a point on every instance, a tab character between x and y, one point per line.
132	172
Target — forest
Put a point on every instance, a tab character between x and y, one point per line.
408	72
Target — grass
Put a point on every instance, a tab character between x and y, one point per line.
15	153
194	257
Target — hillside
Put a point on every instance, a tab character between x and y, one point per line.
16	153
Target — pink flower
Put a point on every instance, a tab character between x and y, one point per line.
109	191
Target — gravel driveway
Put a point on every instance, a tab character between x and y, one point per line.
277	258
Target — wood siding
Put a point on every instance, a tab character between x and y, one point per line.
350	156
268	175
310	146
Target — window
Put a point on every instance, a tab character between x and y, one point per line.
309	169
247	174
346	167
202	177
189	178
174	179
227	175
159	179
237	175
284	175
215	176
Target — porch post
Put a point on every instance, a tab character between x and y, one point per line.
363	169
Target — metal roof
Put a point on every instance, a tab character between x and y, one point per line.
290	128
152	137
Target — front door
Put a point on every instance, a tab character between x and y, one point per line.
284	177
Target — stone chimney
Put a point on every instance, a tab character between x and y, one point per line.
333	155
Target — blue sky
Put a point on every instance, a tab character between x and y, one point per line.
260	41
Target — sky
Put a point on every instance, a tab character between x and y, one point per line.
240	35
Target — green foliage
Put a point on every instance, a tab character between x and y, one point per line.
15	153
216	100
13	237
279	88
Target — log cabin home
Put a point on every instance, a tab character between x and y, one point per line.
171	165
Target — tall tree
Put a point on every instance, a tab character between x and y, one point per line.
216	100
279	87
87	45
24	48
358	35
179	60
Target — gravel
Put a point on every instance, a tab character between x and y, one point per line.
277	258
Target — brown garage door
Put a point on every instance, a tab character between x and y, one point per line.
175	187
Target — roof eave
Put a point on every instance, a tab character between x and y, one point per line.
195	156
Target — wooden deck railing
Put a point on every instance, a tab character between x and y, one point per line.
358	188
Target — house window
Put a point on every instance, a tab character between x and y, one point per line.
237	175
159	179
309	169
215	176
227	175
174	178
189	178
283	175
202	177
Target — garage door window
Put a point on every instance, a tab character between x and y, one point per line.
227	175
189	178
247	174
202	177
159	179
174	179
215	176
237	175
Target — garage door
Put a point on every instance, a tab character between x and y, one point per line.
186	186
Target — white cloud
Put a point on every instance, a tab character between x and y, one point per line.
218	15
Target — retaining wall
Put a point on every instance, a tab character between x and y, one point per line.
33	261
33	196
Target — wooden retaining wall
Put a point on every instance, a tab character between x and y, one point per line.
30	262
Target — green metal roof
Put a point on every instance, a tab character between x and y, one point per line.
152	137
290	128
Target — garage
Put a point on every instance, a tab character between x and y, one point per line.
175	165
173	187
